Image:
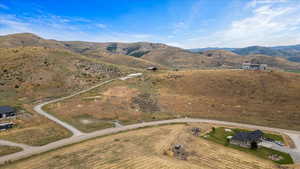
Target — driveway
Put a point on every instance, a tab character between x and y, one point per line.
295	153
79	136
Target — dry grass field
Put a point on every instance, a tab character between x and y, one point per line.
145	148
4	150
31	74
33	129
262	98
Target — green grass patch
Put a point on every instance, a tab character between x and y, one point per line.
220	136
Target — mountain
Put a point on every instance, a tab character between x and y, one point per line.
288	51
292	53
141	55
197	50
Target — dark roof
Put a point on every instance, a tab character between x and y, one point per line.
248	136
151	68
5	109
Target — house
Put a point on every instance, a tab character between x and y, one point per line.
152	68
6	126
254	66
247	139
7	111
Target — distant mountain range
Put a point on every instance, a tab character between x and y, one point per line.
141	55
292	53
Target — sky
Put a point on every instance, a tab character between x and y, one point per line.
181	23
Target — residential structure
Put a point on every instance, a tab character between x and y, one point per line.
6	126
152	68
247	139
253	66
7	111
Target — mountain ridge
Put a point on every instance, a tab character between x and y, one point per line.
144	54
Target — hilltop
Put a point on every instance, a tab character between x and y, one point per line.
292	52
144	54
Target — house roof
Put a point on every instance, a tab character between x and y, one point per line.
248	136
5	109
151	67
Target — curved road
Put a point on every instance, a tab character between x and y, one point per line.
80	136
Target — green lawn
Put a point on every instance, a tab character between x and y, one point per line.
219	136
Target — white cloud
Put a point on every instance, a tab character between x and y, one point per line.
268	25
56	27
254	3
3	6
101	26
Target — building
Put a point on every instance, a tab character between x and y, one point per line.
7	112
6	126
152	68
254	66
247	139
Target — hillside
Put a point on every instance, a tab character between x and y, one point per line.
150	53
292	53
27	40
37	72
232	60
286	52
263	98
142	54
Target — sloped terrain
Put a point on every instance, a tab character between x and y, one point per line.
146	148
31	74
37	72
144	54
262	98
229	59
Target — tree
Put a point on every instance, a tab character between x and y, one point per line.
254	145
213	129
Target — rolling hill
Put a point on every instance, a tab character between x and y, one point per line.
292	53
38	72
143	54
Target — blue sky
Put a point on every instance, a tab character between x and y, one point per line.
182	23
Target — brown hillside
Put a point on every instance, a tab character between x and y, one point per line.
263	98
27	39
143	54
37	72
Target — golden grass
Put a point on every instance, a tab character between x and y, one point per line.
5	150
262	98
144	148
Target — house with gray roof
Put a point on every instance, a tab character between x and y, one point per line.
7	111
247	139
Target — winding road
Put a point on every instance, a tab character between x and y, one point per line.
79	136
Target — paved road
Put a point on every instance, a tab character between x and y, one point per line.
295	135
80	136
12	144
71	128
